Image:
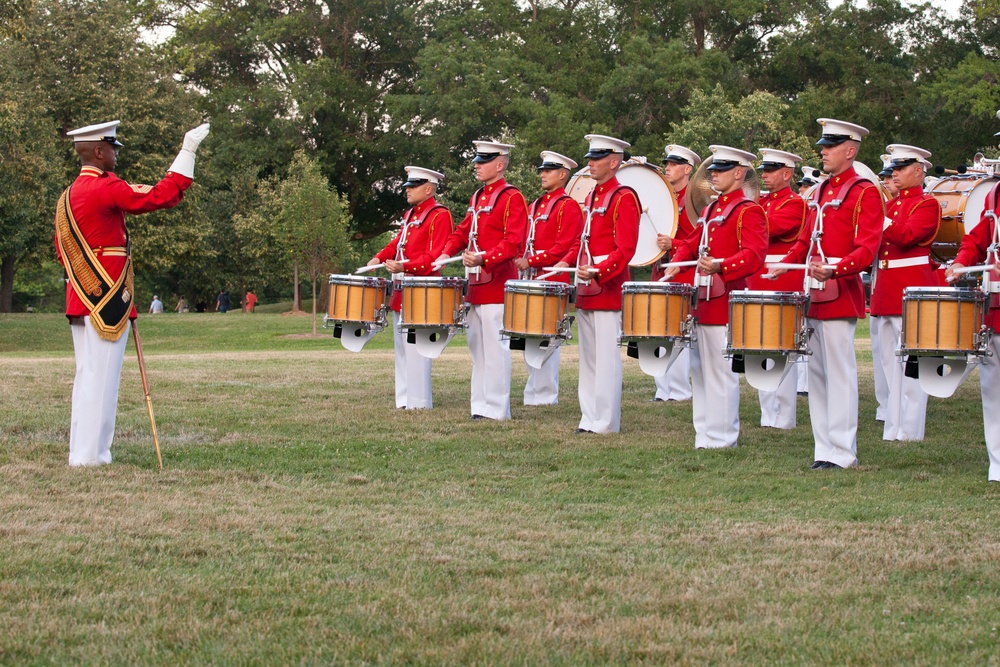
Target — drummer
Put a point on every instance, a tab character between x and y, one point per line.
911	223
886	176
973	251
736	240
786	215
809	179
881	381
601	256
852	229
555	221
411	252
488	254
681	161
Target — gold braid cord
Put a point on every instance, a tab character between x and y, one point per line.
72	253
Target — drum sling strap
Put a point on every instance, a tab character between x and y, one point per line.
481	277
409	221
718	286
537	217
110	300
832	291
591	288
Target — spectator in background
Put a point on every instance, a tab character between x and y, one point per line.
249	301
223	302
200	306
156	306
182	305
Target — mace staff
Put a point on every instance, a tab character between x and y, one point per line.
145	390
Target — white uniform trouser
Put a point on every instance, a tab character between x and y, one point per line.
906	409
777	408
490	361
95	394
413	372
675	384
715	390
833	391
542	387
803	377
600	387
881	381
989	380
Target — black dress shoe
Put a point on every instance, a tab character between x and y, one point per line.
656	400
477	417
583	430
803	393
824	465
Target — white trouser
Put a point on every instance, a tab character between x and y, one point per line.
675	384
413	372
490	361
542	387
777	408
715	390
906	409
803	376
989	380
881	381
833	391
95	394
600	387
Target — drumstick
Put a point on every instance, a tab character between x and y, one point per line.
786	265
451	260
366	269
981	268
693	262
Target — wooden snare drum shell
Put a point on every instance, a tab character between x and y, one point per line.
431	302
941	319
654	310
534	309
764	320
356	298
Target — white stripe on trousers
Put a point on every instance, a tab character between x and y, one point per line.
675	384
600	387
833	391
989	381
777	408
881	381
95	394
413	372
906	408
542	387
715	390
490	361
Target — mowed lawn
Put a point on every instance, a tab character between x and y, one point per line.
302	519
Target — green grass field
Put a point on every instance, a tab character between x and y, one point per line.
302	519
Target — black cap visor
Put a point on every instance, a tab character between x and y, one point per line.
773	166
483	158
901	162
414	182
547	166
676	159
833	139
722	165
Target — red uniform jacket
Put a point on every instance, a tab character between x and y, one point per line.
786	215
684	229
850	233
974	245
614	234
555	234
915	220
427	227
100	201
501	236
740	241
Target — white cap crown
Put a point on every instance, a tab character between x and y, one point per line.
420	175
601	145
681	154
836	132
553	160
775	159
901	155
99	132
727	157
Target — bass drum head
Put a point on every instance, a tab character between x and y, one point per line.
962	200
659	204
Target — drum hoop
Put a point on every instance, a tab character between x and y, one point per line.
761	296
540	287
962	294
642	287
360	281
433	281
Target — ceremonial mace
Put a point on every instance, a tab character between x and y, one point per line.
145	390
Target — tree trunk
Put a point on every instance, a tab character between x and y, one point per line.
7	284
296	297
314	306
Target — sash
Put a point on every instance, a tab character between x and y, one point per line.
110	300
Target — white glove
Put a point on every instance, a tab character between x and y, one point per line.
184	162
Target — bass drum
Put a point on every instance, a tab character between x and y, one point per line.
962	200
659	204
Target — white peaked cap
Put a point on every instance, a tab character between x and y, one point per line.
901	155
886	165
682	154
419	175
836	132
100	132
601	145
552	160
771	157
727	157
490	149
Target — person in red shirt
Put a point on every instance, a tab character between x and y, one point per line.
491	237
92	244
912	221
786	214
601	255
680	162
881	381
729	246
412	252
973	251
249	301
852	215
555	221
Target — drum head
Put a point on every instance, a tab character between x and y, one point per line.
659	204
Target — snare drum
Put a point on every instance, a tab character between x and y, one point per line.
943	320
767	321
433	302
656	310
357	299
535	309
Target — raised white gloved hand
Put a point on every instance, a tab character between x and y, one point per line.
184	162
